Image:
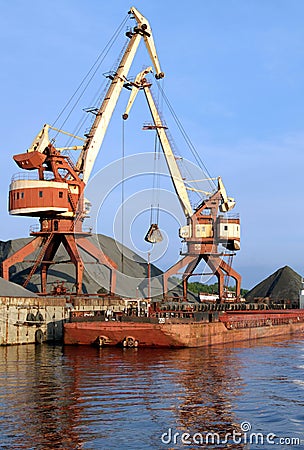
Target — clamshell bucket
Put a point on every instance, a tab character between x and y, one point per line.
154	235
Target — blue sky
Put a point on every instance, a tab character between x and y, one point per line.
234	75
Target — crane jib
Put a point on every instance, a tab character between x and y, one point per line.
98	130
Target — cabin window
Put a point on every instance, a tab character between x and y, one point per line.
17	195
226	227
60	194
22	194
40	194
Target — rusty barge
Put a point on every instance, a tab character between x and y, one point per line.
181	329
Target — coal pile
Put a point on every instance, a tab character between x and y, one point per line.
132	273
9	289
282	286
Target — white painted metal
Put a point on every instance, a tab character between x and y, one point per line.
227	202
149	41
28	184
175	173
41	141
301	295
92	146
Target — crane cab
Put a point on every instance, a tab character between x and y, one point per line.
40	198
228	232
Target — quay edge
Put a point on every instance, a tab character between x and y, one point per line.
30	320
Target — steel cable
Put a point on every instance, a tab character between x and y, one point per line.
98	62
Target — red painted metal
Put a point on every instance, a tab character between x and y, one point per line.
30	160
206	248
186	333
56	197
237	319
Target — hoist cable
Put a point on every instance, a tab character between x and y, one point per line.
185	136
122	192
97	63
176	152
155	187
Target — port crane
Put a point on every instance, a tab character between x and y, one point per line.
57	196
207	227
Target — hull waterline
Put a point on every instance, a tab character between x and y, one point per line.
227	328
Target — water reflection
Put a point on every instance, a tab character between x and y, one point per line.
113	398
35	399
211	385
185	390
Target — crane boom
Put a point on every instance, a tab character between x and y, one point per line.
140	82
97	132
177	179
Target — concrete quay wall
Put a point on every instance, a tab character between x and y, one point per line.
28	320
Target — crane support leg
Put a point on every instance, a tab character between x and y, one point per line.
48	256
102	258
235	275
186	260
214	263
218	266
71	247
19	255
188	272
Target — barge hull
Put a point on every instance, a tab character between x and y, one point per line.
231	328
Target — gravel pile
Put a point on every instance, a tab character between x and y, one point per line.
282	285
9	289
131	277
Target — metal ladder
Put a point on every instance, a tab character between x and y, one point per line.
39	259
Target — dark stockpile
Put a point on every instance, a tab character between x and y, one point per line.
282	286
131	276
9	289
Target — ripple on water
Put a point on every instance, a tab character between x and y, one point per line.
110	398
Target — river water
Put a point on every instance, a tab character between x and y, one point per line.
78	397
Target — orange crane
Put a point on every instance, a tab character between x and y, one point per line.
56	197
207	227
